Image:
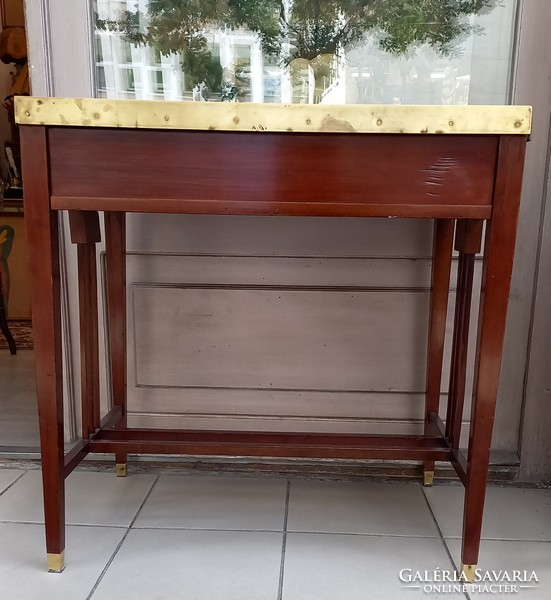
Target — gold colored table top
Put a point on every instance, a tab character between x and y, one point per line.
230	116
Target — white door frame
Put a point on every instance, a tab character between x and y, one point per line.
60	37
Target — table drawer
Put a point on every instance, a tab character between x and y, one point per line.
274	173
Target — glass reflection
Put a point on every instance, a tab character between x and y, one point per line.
305	51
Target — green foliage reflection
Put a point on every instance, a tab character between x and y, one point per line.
296	29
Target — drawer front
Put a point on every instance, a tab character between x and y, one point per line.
273	173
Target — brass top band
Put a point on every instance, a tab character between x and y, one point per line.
230	116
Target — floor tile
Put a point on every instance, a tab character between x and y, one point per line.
8	476
199	565
91	498
510	556
356	567
353	507
510	513
23	568
202	502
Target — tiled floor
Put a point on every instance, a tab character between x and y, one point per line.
180	537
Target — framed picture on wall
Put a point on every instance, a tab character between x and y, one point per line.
13	13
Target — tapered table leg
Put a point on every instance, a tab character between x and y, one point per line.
115	242
43	248
440	285
496	280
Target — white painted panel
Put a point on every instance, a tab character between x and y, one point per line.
276	424
404	274
160	271
283	236
277	338
289	271
279	403
311	405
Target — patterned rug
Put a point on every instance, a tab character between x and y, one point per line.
22	332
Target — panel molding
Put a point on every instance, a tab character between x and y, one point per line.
181	271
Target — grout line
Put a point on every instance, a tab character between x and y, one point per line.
298	531
376	535
497	539
112	558
143	503
284	542
208	529
13	483
104	571
441	535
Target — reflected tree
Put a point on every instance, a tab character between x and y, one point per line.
296	29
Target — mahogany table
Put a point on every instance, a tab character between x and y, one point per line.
460	166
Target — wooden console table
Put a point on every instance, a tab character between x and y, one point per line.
461	166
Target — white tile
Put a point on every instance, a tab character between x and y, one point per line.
510	556
200	502
198	565
352	507
356	567
23	568
8	476
91	498
510	513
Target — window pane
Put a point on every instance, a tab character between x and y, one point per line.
101	83
308	51
157	81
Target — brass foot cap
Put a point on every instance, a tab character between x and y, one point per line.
468	572
428	478
120	469
56	562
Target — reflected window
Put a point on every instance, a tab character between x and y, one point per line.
101	82
156	56
307	51
158	82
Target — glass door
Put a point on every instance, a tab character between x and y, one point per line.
305	51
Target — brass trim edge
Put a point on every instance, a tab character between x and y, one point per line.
56	562
428	478
468	572
233	116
